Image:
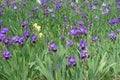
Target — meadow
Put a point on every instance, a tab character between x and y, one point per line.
60	40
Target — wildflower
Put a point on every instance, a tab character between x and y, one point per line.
83	44
14	3
84	54
1	36
6	55
80	23
65	18
44	5
62	37
96	17
15	39
73	27
104	5
85	16
31	16
1	21
83	31
4	30
74	32
37	27
113	22
27	33
22	4
6	40
118	4
24	23
95	2
34	25
90	24
33	38
21	41
35	9
65	26
53	15
71	61
7	2
40	35
117	30
52	47
69	43
112	36
58	5
95	38
93	8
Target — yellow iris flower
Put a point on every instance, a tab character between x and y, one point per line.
37	27
40	35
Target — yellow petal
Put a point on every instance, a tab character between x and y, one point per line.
40	35
34	24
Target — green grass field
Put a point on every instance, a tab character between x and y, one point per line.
47	55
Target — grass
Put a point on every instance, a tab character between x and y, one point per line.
35	62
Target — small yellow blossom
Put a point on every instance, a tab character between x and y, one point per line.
38	28
34	25
40	35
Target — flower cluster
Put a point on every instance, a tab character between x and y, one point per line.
83	52
20	40
38	28
114	21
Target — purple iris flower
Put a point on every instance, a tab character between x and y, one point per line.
62	37
15	39
83	44
58	5
27	33
4	30
24	23
80	23
22	4
85	16
74	32
14	3
113	22
84	54
6	40
117	30
118	4
53	16
112	36
71	61
90	24
93	8
7	2
21	41
35	9
65	18
1	37
31	16
95	38
83	31
69	43
1	21
34	38
95	2
6	55
52	47
65	26
44	5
